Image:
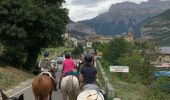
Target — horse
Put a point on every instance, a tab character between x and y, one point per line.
70	87
5	97
43	86
90	92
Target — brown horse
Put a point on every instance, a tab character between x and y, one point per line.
42	87
5	97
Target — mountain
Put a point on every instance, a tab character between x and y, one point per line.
121	16
158	28
79	29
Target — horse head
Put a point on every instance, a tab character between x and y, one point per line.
5	97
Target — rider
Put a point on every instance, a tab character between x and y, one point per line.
45	65
88	73
68	67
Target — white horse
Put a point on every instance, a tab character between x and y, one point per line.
90	92
70	87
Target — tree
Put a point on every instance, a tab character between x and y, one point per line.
140	69
116	49
78	50
30	25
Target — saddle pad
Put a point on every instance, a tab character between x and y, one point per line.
90	95
91	87
48	73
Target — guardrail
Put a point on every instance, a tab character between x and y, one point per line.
108	86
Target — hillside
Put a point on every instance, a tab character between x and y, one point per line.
10	77
79	29
123	15
158	28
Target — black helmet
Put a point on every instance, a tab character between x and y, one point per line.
46	54
88	58
67	55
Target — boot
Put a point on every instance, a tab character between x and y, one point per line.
59	87
55	84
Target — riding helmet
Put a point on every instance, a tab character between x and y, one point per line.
88	58
67	55
46	54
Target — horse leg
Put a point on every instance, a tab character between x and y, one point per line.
50	96
64	96
36	97
45	98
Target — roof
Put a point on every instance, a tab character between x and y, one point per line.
165	50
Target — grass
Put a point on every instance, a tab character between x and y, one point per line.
10	77
133	91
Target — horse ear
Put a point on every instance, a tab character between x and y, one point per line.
21	97
4	97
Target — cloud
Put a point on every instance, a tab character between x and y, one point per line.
87	9
86	2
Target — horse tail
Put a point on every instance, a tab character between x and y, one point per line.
41	88
72	89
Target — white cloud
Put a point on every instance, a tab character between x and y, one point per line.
87	9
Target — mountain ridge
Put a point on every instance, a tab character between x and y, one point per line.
126	12
158	28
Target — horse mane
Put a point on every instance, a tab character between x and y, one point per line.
5	97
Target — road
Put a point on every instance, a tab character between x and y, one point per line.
28	94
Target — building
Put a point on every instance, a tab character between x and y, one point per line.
129	36
99	38
165	52
70	40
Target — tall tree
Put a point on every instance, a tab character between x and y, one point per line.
32	25
115	49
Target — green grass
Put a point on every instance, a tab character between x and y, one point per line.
10	77
133	91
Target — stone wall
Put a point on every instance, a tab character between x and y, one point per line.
108	86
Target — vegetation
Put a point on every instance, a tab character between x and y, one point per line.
115	49
139	83
78	51
10	77
27	26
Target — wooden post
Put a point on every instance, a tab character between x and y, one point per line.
126	77
113	76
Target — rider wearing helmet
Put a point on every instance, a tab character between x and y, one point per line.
88	74
68	67
68	64
45	65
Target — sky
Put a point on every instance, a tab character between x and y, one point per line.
87	9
